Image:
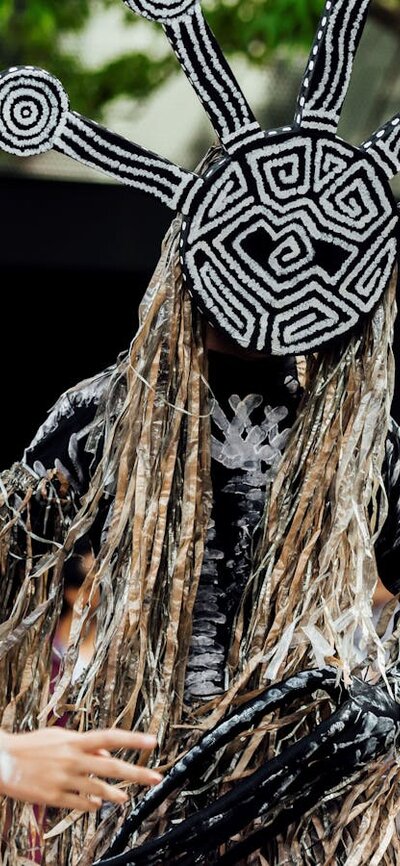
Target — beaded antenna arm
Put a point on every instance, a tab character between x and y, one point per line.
290	237
35	117
363	726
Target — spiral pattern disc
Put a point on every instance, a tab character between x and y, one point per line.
33	110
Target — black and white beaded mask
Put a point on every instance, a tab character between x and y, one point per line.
290	237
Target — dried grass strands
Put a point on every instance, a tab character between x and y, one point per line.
316	557
150	561
311	586
155	469
31	597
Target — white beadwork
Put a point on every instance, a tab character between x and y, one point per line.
324	223
290	236
33	111
162	11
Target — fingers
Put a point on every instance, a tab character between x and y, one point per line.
69	770
115	738
98	789
114	768
75	801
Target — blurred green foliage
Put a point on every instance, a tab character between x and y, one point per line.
33	31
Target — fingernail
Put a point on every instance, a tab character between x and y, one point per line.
149	740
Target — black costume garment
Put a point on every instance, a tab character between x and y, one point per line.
254	408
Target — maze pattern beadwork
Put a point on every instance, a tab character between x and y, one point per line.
290	238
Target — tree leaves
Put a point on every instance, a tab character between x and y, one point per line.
32	31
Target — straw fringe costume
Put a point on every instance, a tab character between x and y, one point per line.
293	759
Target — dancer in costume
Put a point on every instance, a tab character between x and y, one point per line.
238	524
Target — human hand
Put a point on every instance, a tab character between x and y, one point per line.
57	767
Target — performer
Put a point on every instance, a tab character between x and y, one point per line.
238	518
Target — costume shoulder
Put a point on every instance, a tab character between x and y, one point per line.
40	495
70	438
388	544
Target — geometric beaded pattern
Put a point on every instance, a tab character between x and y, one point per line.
291	242
289	239
33	110
163	12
